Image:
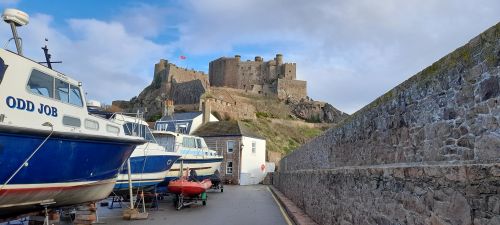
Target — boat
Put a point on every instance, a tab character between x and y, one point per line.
189	191
53	153
195	154
149	162
187	188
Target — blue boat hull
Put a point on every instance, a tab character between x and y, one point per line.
68	169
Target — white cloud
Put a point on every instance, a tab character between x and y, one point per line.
147	20
350	52
112	62
5	3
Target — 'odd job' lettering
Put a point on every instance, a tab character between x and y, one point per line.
21	104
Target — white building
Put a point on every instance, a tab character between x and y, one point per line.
244	152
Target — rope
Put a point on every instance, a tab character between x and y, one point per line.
24	164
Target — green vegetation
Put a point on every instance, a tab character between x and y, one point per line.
261	115
283	135
314	119
154	118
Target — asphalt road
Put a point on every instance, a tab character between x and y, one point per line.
237	205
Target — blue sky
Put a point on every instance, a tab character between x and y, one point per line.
349	52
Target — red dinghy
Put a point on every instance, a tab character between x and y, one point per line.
188	188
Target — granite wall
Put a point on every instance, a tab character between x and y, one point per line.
445	118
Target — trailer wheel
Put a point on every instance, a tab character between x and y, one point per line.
179	203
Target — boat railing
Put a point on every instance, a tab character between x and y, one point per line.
138	119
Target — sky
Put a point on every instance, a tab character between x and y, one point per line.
349	52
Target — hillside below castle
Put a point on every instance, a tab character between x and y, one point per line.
235	90
264	95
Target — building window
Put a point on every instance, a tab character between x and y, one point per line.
181	128
230	146
254	146
229	167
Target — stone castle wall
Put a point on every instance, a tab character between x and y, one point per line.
426	152
269	78
291	89
229	110
220	72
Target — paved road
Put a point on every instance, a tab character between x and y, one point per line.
238	205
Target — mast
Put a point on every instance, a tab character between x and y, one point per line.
16	18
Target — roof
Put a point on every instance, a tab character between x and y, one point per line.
181	116
225	128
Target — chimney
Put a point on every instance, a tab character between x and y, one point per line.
206	111
168	110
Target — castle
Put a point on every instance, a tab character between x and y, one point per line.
273	79
268	78
183	85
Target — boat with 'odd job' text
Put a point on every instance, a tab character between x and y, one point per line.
52	152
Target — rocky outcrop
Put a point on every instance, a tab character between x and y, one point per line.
316	112
183	86
426	152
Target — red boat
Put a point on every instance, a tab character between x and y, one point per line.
184	187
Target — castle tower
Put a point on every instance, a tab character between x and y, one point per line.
279	59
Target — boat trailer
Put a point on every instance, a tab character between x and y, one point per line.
181	200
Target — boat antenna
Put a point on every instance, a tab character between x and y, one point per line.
15	18
47	55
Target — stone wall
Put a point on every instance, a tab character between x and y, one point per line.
296	89
444	118
222	72
188	92
436	195
230	110
219	144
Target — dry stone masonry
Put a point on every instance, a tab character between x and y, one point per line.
426	152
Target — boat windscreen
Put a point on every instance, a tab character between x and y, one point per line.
140	130
167	141
3	67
